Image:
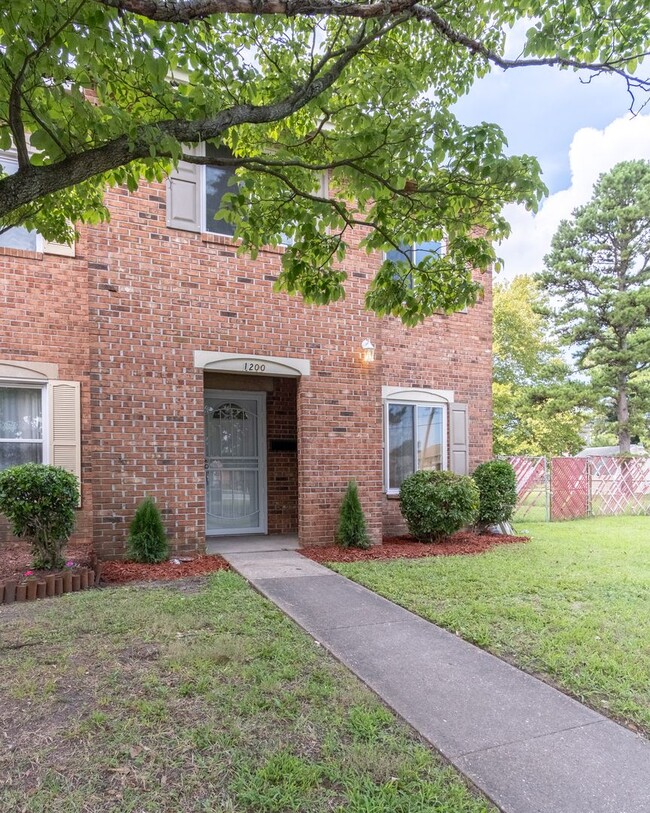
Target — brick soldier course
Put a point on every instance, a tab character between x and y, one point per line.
125	317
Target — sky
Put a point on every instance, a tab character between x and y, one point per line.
577	131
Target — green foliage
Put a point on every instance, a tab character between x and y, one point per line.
497	486
292	96
539	409
436	504
40	501
352	531
598	269
147	540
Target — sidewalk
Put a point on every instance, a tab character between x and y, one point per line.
527	746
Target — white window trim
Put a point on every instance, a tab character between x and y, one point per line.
45	416
415	397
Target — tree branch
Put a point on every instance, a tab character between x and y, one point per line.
32	182
185	11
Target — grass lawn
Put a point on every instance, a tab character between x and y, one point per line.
572	606
197	698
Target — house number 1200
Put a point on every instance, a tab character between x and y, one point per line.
250	367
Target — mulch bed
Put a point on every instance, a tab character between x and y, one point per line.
117	572
15	558
406	547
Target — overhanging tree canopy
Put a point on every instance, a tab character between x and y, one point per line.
102	92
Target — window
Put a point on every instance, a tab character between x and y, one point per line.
415	440
217	184
16	237
195	192
415	432
21	238
21	425
415	253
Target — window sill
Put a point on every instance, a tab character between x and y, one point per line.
219	239
392	495
224	240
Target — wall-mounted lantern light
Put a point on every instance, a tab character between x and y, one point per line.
367	351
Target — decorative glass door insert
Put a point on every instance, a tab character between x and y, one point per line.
235	462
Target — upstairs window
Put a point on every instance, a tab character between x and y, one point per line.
218	181
21	238
195	192
415	253
17	236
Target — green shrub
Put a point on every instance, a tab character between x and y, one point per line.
39	501
497	487
435	504
352	531
147	540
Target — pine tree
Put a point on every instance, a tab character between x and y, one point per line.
147	540
598	270
352	531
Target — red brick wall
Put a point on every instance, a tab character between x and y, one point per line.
449	353
282	464
140	298
44	318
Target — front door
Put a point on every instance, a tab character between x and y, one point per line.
235	462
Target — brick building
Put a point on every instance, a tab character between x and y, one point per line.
152	360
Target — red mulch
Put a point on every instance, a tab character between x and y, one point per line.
115	572
406	547
15	558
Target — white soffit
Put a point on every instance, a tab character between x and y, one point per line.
249	364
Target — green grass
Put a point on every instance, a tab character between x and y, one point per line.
162	700
572	606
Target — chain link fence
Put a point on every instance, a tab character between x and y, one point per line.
575	487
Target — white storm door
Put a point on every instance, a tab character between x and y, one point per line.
235	462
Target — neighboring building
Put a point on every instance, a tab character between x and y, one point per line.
609	451
156	362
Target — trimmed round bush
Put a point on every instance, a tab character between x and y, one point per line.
497	487
147	542
40	501
436	504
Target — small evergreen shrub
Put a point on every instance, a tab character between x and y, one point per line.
497	487
147	540
352	531
436	504
40	501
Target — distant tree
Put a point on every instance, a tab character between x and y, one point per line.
598	273
539	409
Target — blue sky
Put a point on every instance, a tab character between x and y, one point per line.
576	131
541	109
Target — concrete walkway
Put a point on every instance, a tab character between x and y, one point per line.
528	747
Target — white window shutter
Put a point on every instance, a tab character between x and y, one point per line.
459	438
184	194
64	437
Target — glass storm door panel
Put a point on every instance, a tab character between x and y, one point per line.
235	463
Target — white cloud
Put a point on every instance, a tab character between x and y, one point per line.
592	152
